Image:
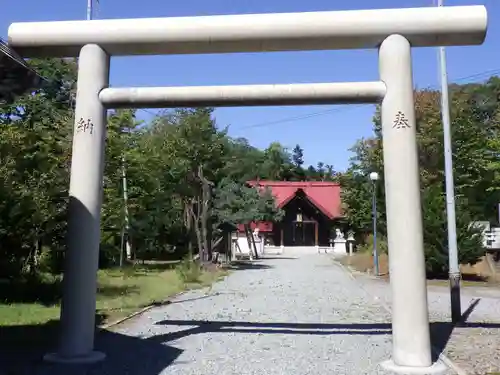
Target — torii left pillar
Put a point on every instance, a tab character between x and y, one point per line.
85	193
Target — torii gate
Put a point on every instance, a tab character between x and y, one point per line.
393	31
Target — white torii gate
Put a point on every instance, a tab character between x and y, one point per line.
392	31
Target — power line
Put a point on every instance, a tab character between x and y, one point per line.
302	117
484	74
335	110
150	112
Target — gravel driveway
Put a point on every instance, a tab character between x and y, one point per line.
273	316
280	316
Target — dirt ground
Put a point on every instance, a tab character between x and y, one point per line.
480	273
363	262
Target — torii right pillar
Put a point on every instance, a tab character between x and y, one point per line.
410	320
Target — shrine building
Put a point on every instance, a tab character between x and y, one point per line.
312	211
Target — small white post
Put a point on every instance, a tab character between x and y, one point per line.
410	321
234	247
82	255
350	242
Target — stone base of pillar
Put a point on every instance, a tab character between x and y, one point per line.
89	358
437	368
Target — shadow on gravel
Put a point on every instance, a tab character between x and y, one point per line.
252	265
201	326
23	347
442	331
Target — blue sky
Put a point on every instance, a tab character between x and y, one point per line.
325	132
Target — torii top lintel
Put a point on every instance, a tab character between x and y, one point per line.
331	30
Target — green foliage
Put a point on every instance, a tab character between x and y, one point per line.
475	127
186	176
367	245
180	170
34	152
189	271
238	203
436	241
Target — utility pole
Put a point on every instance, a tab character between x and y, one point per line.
89	10
375	250
374	179
453	265
125	232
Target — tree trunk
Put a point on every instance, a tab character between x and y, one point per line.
188	224
199	240
194	213
217	242
205	214
229	247
205	197
33	260
251	244
254	245
199	234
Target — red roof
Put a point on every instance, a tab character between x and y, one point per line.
324	195
263	226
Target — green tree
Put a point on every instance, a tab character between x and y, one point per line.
277	164
120	125
298	162
35	133
474	112
237	203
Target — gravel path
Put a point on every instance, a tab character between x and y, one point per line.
284	316
474	347
278	316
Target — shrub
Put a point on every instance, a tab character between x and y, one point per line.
469	242
367	246
189	271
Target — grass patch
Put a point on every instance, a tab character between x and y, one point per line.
120	292
29	312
